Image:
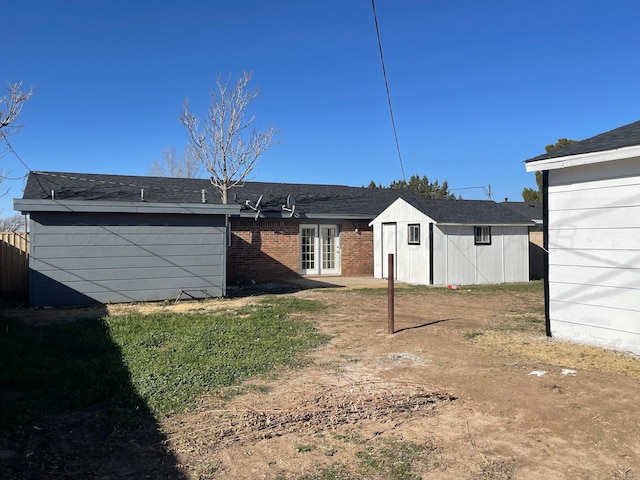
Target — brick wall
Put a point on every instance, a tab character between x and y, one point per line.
356	249
269	250
263	250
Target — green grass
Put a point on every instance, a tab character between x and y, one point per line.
388	459
162	361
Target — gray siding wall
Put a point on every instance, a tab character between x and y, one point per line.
78	258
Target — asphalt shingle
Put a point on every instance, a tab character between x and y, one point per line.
625	136
310	199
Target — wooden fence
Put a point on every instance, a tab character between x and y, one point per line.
536	255
14	262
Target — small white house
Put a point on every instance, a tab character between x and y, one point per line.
442	242
592	234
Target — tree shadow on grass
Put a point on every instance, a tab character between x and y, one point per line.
68	408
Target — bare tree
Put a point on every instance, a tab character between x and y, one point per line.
11	108
219	141
14	223
173	165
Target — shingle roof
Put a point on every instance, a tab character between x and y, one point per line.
531	210
625	136
310	199
468	212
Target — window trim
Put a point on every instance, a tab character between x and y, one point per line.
482	235
415	239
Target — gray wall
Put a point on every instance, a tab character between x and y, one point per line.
82	258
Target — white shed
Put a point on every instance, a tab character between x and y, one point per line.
592	222
442	242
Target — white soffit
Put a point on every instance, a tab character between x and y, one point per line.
584	159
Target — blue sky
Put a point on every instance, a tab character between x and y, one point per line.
476	87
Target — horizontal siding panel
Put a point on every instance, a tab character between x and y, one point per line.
618	172
127	229
131	273
595	238
614	298
595	257
71	298
88	258
610	217
71	263
106	239
596	182
599	336
587	198
124	251
597	276
124	220
129	287
603	318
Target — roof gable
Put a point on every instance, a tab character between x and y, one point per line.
401	209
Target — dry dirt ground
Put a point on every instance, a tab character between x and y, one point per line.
476	409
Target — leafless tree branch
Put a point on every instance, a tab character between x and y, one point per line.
218	141
11	108
14	223
174	165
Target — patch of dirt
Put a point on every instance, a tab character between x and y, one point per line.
445	381
485	416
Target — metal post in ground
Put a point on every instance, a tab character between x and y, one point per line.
390	309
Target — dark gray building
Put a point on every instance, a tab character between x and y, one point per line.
108	239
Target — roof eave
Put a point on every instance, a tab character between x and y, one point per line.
301	215
94	206
583	159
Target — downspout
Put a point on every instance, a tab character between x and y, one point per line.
545	247
430	253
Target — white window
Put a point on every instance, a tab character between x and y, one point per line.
414	234
483	235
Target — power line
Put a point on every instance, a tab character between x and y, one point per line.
386	84
4	137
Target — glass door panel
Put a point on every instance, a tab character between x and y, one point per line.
319	250
308	249
330	248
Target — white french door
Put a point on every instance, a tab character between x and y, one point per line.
319	249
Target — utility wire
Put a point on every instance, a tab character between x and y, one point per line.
11	149
4	137
386	84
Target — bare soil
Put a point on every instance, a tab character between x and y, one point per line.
453	379
490	417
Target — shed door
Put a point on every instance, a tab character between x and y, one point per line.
389	243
